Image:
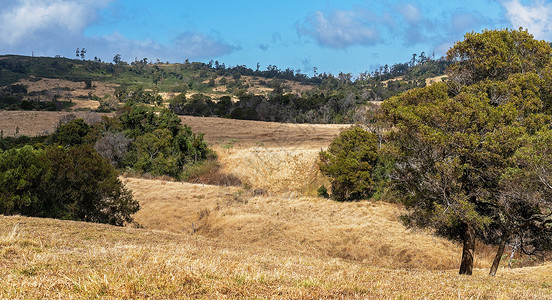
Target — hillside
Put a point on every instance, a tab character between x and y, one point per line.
194	88
267	238
64	73
52	258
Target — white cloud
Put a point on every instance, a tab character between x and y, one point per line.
52	27
340	29
410	13
536	17
21	20
196	45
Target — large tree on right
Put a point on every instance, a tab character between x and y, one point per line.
460	144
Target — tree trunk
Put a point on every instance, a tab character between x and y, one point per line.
498	256
466	267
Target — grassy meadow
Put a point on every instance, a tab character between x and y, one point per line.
270	237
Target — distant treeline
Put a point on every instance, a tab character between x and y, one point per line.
14	67
328	99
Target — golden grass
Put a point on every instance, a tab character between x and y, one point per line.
174	206
43	258
362	231
219	131
273	170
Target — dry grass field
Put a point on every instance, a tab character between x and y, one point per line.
219	131
42	258
269	238
33	123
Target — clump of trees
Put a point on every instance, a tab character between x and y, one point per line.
14	97
470	157
72	173
472	153
140	138
73	183
275	107
159	144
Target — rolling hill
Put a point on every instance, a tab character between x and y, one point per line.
269	238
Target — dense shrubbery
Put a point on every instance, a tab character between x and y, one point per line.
160	144
349	162
72	183
71	173
308	108
139	138
12	97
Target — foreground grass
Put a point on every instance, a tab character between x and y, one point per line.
43	258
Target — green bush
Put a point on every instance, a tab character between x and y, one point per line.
73	183
323	192
72	133
349	162
162	145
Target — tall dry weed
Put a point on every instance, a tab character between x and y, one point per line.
276	170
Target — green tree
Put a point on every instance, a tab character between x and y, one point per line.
20	178
455	144
526	198
349	162
72	133
80	185
117	59
496	54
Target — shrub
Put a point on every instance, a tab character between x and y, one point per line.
323	192
72	133
73	183
349	162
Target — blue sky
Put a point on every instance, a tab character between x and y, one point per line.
333	36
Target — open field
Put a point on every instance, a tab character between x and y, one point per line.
33	123
362	231
43	258
217	130
270	238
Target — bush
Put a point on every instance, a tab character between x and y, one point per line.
323	192
349	162
161	146
72	133
73	183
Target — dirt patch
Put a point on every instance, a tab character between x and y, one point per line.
33	123
228	132
46	89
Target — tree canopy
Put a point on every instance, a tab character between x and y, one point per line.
456	142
